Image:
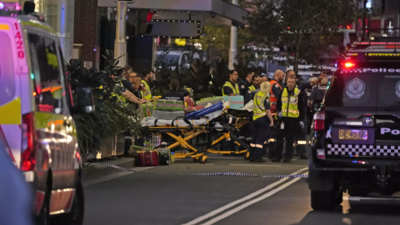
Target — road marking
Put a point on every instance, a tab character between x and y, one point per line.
248	197
194	164
255	165
110	177
247	204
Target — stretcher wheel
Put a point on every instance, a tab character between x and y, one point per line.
202	160
246	155
195	159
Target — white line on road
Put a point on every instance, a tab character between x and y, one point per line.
255	165
110	177
249	203
248	197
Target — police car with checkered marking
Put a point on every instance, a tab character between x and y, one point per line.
36	109
355	143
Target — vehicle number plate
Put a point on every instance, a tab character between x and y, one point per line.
353	134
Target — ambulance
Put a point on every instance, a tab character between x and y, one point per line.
36	108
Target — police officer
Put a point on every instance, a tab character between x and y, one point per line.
262	122
244	85
148	77
230	87
291	107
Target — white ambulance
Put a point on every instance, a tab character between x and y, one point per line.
36	125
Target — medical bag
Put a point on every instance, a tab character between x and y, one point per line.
147	158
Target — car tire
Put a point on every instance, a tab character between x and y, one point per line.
44	217
323	200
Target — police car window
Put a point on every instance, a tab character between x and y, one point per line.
46	71
389	90
7	83
353	90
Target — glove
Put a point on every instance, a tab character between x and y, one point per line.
301	124
280	115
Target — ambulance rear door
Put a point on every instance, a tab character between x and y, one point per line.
12	65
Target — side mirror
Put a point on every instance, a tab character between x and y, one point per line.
85	100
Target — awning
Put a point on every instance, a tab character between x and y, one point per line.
209	12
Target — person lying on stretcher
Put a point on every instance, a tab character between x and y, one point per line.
175	94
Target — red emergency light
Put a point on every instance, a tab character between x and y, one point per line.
349	64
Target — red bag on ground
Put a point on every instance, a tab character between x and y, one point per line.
148	158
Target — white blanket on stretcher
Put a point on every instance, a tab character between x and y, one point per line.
149	121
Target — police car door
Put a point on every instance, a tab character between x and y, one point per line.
12	64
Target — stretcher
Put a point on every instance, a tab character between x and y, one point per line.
182	130
229	124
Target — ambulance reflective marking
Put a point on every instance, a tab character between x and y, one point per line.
11	112
4	27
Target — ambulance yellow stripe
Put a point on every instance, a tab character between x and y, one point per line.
4	27
11	112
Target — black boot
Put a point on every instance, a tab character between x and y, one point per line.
258	156
251	151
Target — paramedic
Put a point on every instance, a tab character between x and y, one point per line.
246	83
148	77
262	122
230	87
291	109
276	88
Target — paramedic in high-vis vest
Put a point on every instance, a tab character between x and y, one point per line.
262	120
291	111
230	87
148	77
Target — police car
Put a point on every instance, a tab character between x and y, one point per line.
356	138
36	108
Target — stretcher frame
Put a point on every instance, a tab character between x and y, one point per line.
188	133
228	135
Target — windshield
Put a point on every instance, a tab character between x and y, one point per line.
364	90
169	58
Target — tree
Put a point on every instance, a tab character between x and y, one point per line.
218	37
306	28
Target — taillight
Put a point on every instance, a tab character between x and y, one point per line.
28	156
319	121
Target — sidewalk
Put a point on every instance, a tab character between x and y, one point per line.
95	170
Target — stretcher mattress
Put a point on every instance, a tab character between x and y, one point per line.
155	122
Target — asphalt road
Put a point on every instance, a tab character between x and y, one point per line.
126	198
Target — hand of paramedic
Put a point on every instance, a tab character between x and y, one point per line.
269	114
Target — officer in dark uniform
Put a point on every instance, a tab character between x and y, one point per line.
244	85
173	93
253	89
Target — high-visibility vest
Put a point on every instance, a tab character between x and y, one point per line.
290	103
234	89
273	98
146	93
258	106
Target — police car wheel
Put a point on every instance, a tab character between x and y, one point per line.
323	200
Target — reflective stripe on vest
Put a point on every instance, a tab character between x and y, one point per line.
258	106
146	93
235	89
252	88
290	104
